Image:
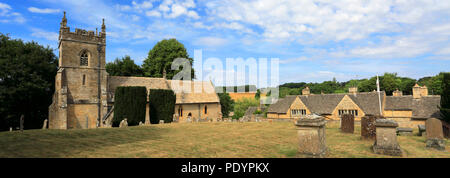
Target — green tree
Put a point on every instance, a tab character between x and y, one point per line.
445	97
161	56
130	102
258	94
124	67
241	105
27	78
226	103
388	83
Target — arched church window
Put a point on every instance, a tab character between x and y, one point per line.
84	58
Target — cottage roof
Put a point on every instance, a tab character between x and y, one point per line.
424	107
282	105
326	103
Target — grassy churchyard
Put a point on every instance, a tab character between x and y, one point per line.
210	140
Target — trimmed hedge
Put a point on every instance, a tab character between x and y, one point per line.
130	103
162	105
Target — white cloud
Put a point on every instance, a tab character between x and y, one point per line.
153	13
211	41
43	11
293	60
39	33
7	15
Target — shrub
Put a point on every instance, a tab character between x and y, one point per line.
130	103
445	98
241	105
226	103
162	105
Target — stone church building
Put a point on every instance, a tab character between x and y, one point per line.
84	91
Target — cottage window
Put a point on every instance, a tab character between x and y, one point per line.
353	112
206	109
84	59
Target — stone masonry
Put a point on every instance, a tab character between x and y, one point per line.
311	136
386	138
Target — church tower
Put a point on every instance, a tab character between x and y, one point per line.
80	96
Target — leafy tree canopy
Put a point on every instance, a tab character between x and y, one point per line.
226	103
161	56
27	77
124	67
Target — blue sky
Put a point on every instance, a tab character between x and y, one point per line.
314	40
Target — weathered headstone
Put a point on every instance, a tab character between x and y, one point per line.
386	138
368	127
347	123
10	129
44	126
21	123
123	123
140	123
161	121
175	118
435	134
422	130
188	119
404	131
311	136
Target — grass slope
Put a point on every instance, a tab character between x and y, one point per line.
254	140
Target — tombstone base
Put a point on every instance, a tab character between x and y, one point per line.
393	151
322	154
436	143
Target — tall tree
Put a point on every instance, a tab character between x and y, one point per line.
445	97
27	78
124	67
162	55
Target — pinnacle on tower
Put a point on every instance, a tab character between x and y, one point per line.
64	20
103	26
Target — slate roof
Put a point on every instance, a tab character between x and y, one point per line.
326	103
282	105
425	107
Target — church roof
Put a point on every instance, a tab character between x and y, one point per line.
205	95
200	92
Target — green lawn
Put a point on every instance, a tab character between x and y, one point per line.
255	140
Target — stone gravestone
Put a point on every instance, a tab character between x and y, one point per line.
386	138
311	136
435	134
368	127
161	121
347	123
422	130
44	126
140	123
123	123
404	131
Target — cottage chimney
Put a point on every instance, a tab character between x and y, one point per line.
305	91
397	93
416	91
423	91
353	90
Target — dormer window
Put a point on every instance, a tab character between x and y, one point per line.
84	58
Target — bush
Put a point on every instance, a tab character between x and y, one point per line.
162	105
241	105
130	103
445	98
226	103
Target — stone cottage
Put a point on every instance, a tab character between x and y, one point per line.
408	111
